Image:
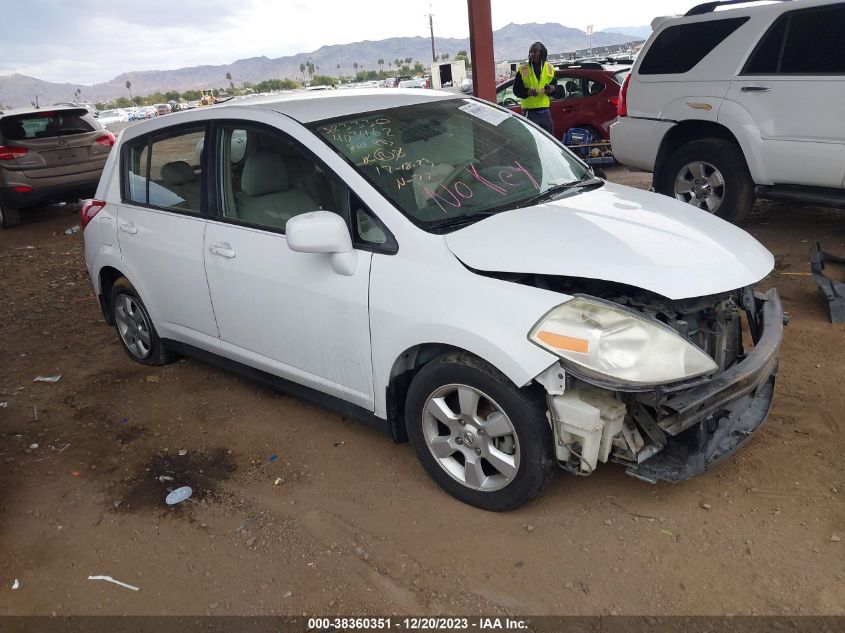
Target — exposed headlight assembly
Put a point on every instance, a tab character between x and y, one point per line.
613	343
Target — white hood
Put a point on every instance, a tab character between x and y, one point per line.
620	234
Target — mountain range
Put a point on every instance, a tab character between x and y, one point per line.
511	42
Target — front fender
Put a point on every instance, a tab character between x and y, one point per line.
451	305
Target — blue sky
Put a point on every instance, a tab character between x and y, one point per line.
87	41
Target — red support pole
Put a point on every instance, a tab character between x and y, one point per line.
481	49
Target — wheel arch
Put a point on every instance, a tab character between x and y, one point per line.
405	367
685	132
107	276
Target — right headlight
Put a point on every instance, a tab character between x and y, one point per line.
619	344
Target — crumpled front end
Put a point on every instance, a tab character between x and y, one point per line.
674	432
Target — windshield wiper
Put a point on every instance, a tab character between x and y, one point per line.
463	220
554	190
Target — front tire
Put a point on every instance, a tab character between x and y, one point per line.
9	218
483	440
710	174
135	327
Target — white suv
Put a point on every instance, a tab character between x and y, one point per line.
726	105
443	269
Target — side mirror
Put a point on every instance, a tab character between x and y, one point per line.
323	232
559	92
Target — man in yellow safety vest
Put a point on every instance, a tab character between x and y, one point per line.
534	82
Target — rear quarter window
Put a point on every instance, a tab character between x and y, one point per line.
678	49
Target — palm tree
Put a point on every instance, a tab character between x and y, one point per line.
129	88
231	83
302	70
380	63
397	62
338	70
355	66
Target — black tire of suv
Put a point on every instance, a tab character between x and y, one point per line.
525	408
159	354
727	157
9	218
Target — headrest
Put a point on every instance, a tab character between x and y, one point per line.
177	172
264	172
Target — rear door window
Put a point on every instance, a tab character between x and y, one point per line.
678	49
806	42
166	171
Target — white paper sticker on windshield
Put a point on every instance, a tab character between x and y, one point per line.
485	113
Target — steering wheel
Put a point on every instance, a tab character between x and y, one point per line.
453	175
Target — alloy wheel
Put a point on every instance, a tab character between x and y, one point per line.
471	437
134	326
702	185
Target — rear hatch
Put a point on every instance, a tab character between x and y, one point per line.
57	142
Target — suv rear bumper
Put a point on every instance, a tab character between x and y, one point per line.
636	142
49	193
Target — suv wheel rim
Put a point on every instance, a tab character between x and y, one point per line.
700	184
134	326
471	437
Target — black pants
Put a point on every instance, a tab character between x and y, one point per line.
542	117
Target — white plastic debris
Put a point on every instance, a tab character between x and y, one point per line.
116	582
183	452
48	378
33	446
16	584
72	230
178	495
163	478
3	405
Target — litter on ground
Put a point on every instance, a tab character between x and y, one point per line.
116	582
48	378
178	495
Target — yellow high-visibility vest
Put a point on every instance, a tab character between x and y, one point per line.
529	80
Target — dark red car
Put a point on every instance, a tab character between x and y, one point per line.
586	97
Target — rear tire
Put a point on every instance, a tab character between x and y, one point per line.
482	439
135	327
710	174
9	218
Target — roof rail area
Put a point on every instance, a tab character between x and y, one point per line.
709	7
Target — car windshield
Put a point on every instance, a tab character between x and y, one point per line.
447	161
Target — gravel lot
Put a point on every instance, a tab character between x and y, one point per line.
346	521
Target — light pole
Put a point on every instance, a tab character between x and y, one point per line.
590	36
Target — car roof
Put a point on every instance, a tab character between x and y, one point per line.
317	105
33	110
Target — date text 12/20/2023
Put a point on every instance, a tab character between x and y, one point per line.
422	623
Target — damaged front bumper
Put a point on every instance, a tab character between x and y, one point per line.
676	432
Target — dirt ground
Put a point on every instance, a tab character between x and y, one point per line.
345	521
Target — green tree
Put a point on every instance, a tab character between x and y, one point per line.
123	102
380	63
310	67
172	95
355	66
323	80
418	67
444	57
302	70
231	83
462	55
129	88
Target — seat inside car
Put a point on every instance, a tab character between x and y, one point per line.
180	178
269	194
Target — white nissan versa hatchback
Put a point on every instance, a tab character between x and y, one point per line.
444	269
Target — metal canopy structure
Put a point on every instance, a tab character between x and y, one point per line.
481	49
